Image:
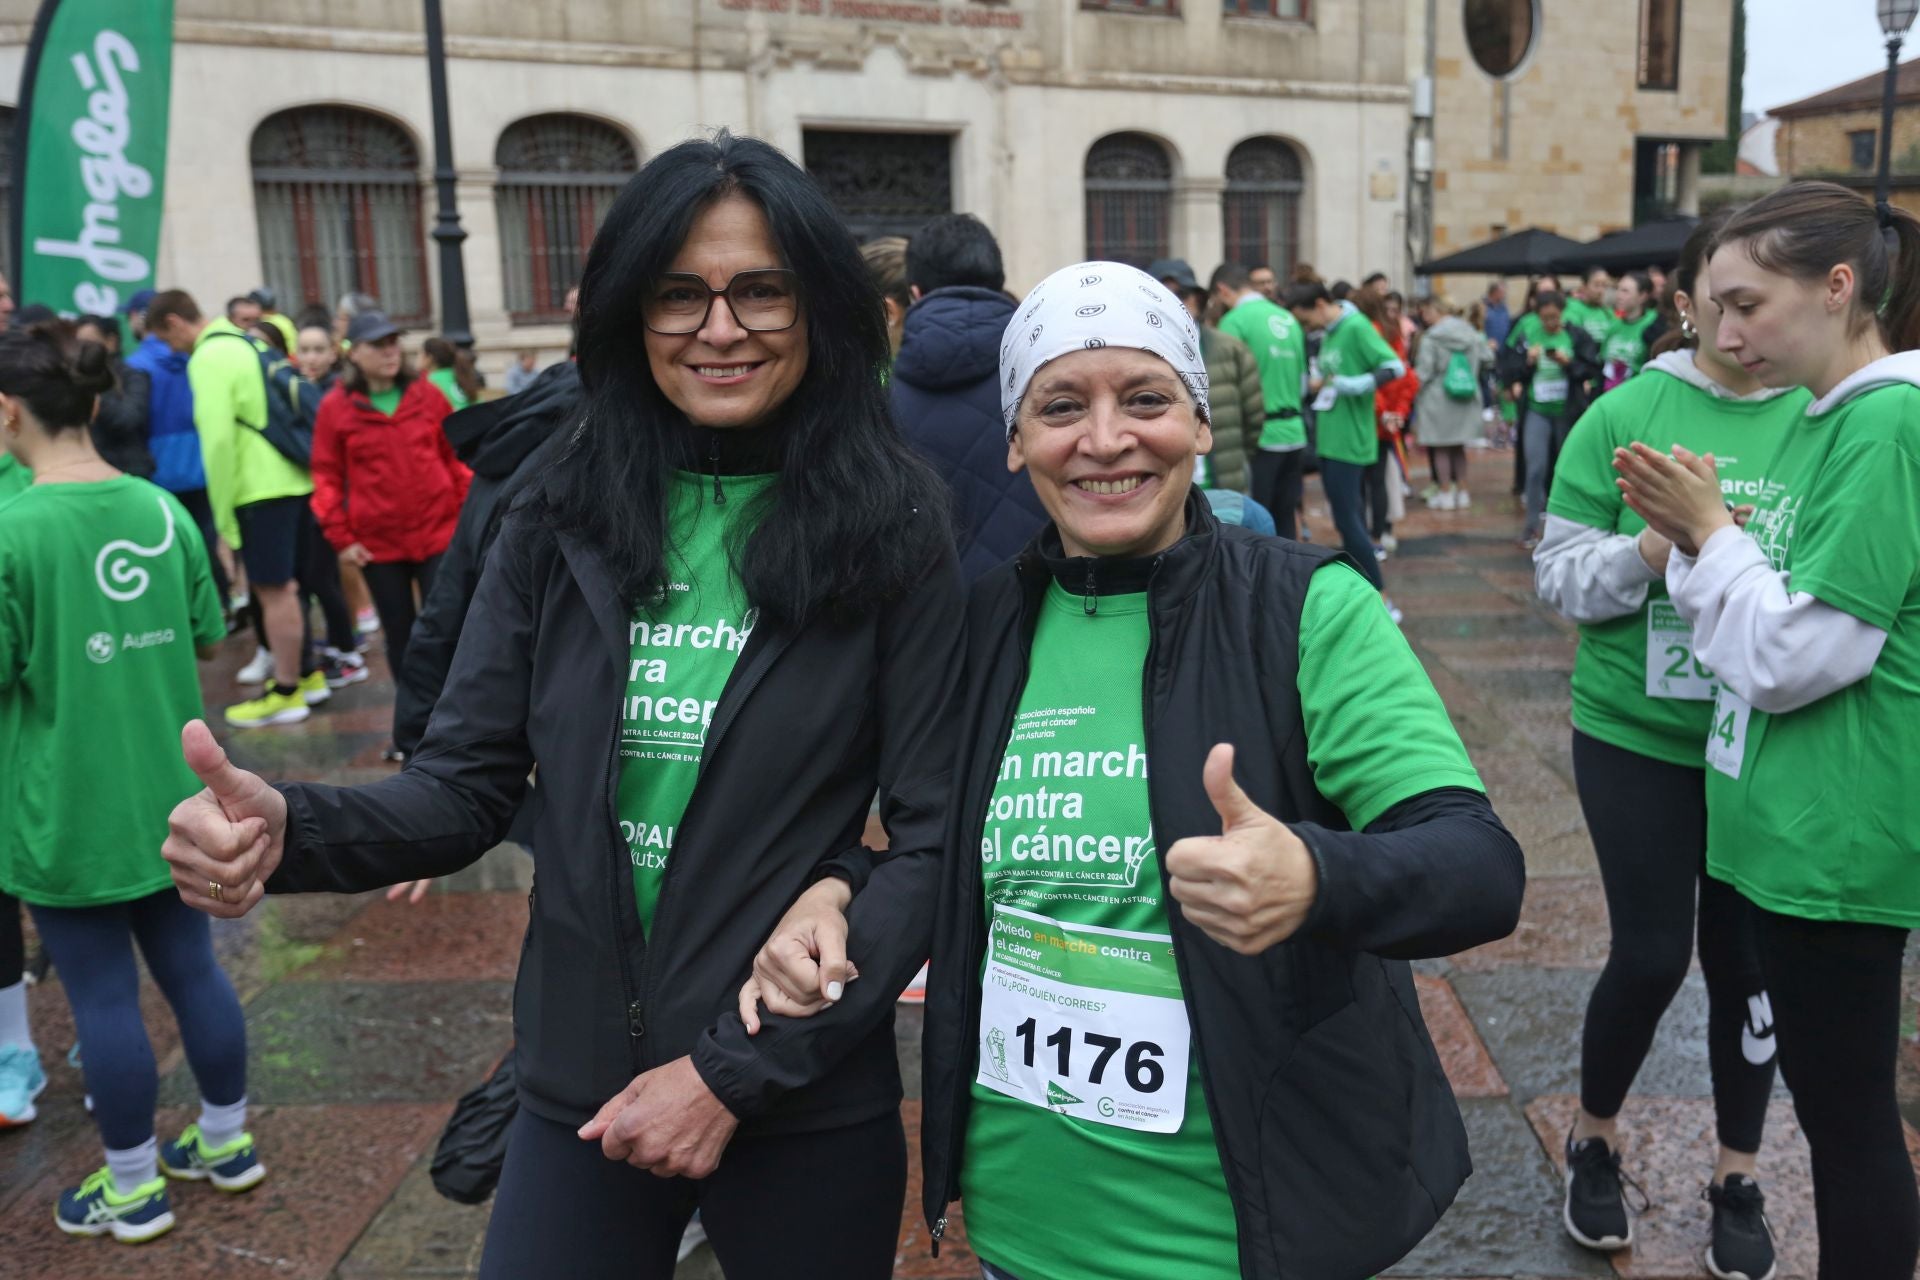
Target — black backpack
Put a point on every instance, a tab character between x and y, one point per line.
292	402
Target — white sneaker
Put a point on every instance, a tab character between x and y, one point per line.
1462	499
1393	611
1389	542
259	671
1442	500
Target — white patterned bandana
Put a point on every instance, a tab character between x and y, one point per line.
1098	304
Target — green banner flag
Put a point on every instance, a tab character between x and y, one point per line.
90	153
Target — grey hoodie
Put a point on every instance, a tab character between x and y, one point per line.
1439	419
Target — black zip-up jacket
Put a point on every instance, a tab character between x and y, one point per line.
1337	1130
812	720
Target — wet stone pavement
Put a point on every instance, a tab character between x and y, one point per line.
368	1019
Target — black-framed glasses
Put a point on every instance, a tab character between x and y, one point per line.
765	301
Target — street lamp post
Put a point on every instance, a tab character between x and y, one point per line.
447	232
1896	16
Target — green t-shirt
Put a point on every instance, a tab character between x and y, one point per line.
1120	1138
449	387
683	650
14	477
1821	819
1547	392
1526	331
1625	349
385	401
1635	682
105	591
1347	430
1597	321
1279	347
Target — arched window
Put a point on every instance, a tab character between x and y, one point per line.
337	194
1129	199
558	176
1500	33
1262	205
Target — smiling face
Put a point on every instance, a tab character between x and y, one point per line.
1109	437
724	376
1784	331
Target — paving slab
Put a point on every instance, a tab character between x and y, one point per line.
330	1168
445	937
1506	1219
361	1042
1531	1021
1469	1068
1563	925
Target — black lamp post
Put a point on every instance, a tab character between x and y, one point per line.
1895	17
447	232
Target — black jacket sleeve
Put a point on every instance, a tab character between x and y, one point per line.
436	632
1435	874
890	921
455	798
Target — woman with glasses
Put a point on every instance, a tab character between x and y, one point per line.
724	614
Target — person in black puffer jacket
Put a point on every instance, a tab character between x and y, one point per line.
945	393
119	427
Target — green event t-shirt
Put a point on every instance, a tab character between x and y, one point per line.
1635	682
1121	1140
1347	431
1625	349
1279	347
1526	331
449	385
1597	321
385	401
683	649
14	477
105	591
1821	820
1547	392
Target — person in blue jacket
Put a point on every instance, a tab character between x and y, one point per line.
945	388
172	438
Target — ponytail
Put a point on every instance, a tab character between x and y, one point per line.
1805	229
447	356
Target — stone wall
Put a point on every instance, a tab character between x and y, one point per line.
1818	145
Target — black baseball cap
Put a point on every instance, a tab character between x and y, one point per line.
371	326
1176	270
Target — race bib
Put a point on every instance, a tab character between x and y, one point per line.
1084	1021
1323	402
1550	386
1672	670
1727	738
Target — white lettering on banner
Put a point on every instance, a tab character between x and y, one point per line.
107	175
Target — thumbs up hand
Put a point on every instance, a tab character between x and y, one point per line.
1252	885
224	842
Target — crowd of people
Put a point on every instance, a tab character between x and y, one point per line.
806	531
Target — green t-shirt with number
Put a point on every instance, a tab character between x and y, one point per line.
1547	390
1625	349
684	648
1347	431
14	477
1597	321
1279	348
1821	819
1088	1085
1636	684
105	591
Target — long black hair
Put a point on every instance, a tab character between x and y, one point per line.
59	376
854	518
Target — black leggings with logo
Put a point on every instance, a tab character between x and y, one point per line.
1649	825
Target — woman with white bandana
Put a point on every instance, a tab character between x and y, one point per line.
1206	807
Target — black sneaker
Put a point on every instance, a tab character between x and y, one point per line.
1596	1213
1742	1247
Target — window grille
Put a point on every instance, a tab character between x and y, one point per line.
1129	183
558	176
1262	205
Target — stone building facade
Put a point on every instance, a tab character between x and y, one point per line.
1278	130
1836	134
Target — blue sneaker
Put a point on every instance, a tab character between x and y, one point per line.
21	1081
234	1167
94	1208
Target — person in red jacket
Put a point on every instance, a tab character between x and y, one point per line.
1392	406
387	488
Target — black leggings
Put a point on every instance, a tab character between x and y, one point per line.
13	942
1341	481
1278	479
391	586
1836	1003
1383	472
804	1206
1649	825
321	583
